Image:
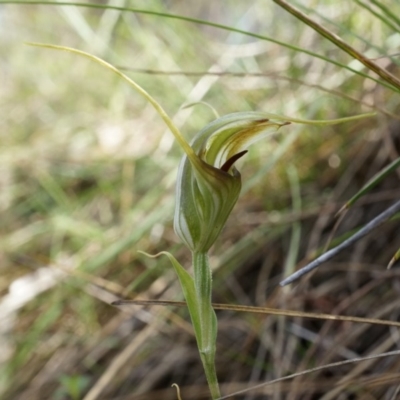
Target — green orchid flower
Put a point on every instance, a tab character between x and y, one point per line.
208	184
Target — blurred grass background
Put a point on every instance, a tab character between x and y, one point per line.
87	179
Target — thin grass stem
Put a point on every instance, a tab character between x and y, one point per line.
371	65
375	223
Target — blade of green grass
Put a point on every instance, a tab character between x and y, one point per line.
371	184
349	32
393	86
295	240
377	15
371	65
387	11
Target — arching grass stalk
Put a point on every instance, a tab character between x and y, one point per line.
207	189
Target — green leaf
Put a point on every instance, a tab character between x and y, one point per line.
188	289
371	183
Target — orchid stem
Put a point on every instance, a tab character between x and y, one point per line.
208	320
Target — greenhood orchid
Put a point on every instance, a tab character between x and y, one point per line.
208	184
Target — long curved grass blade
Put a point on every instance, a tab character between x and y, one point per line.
261	310
311	370
295	239
377	15
371	65
371	184
387	11
375	223
208	23
347	31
